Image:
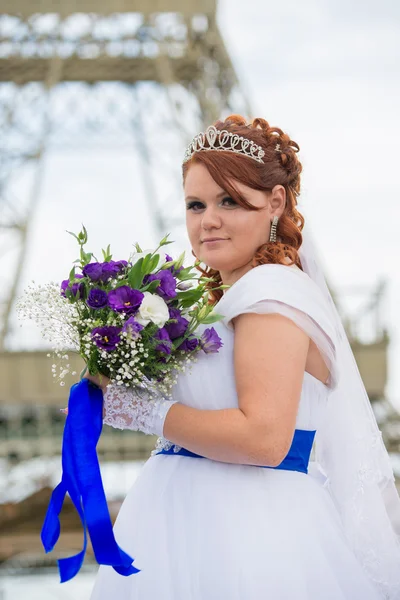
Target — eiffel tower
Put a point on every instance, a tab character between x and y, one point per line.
143	72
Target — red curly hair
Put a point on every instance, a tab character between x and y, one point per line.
278	168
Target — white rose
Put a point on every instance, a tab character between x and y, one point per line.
139	255
153	308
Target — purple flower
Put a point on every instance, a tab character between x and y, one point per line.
74	288
210	341
112	268
189	344
174	271
106	337
109	270
175	330
93	271
121	264
105	270
132	327
167	286
166	344
97	298
125	299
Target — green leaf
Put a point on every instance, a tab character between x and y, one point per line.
138	248
167	265
154	262
135	276
179	262
121	282
84	235
72	274
185	273
73	234
165	241
186	302
145	264
152	286
107	256
190	296
85	257
202	313
212	318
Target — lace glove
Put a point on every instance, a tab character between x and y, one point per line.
139	408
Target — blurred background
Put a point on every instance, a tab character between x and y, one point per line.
98	101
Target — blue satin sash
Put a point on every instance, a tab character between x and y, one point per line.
81	478
296	459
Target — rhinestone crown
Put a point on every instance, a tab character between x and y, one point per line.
224	141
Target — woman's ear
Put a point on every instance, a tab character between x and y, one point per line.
278	200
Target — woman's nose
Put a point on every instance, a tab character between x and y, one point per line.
210	218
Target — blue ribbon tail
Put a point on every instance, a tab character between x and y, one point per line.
81	478
69	567
51	526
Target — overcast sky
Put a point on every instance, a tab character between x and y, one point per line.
326	72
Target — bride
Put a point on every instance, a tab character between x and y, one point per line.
229	505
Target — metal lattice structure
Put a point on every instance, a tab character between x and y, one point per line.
145	74
129	72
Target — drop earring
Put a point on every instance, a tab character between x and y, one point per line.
272	235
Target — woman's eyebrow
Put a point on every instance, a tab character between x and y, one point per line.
195	197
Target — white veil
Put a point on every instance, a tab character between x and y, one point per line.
351	452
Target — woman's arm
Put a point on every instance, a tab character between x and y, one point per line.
270	355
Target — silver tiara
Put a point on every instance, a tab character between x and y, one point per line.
227	141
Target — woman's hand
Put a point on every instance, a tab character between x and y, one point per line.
100	380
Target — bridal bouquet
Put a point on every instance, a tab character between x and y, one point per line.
133	321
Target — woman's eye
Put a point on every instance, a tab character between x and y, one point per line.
194	205
231	200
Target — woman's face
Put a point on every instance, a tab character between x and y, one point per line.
212	213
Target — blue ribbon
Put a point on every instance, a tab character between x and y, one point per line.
81	478
296	459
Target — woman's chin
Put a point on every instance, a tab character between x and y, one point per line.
218	265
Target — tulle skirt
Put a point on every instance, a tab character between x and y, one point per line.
204	530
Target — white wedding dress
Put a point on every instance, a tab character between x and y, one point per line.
200	529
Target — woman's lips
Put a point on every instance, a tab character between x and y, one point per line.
214	241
